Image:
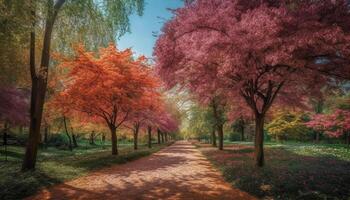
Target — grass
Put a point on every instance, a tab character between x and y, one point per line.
292	170
56	166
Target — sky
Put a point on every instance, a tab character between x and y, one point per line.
142	39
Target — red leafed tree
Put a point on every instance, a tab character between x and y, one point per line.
106	87
257	51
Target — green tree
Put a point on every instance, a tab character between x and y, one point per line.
288	125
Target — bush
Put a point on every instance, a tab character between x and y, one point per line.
57	140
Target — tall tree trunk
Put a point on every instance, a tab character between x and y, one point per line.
136	135
220	128
259	140
67	133
213	138
39	82
113	130
347	138
158	134
162	134
149	137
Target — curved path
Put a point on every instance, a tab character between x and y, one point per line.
179	171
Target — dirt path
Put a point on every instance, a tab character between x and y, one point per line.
176	172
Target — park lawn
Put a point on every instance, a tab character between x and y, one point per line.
292	170
56	166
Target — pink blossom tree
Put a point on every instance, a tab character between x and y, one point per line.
335	124
256	51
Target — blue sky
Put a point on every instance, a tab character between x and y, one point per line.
141	39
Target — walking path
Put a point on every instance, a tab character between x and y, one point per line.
179	171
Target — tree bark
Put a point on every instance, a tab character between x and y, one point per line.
92	138
158	134
162	134
4	138
114	140
136	135
213	136
166	137
220	128
242	132
259	140
67	133
39	83
149	137
46	133
74	139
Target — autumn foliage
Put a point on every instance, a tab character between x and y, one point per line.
256	53
111	86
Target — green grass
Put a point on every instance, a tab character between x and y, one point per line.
55	166
292	170
339	151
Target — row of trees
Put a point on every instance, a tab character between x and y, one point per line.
249	56
282	124
28	27
114	88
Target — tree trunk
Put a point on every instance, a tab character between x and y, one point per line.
213	136
242	133
158	134
103	138
114	140
39	83
221	136
149	137
136	135
166	136
347	138
162	134
67	133
75	143
259	140
4	138
92	138
46	133
74	139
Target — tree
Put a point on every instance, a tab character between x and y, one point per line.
116	14
288	125
145	114
109	87
335	124
239	126
257	50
